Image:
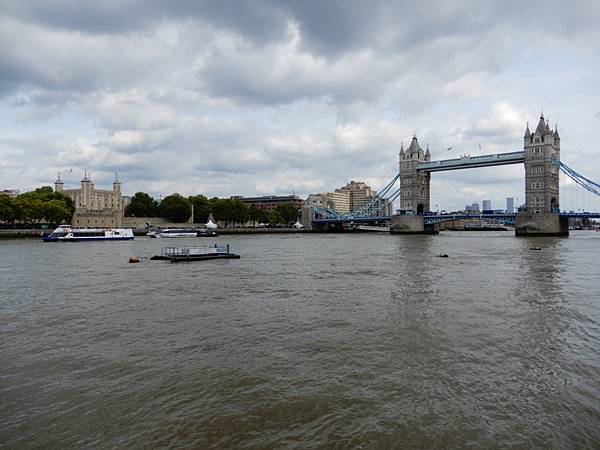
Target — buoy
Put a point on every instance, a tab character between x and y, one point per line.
134	259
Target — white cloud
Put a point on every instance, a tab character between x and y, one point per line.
502	122
265	100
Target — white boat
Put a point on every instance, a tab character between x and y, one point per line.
68	234
180	233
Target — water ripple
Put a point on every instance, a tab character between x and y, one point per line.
311	341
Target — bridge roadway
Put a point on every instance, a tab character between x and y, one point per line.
469	162
439	218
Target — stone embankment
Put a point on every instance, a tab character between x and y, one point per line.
16	234
37	233
241	230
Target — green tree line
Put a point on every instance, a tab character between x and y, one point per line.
177	208
40	206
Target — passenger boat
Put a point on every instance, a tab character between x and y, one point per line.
68	234
180	233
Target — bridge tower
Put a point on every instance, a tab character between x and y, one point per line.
541	176
541	217
414	185
414	192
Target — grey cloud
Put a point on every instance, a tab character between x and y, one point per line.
329	26
400	45
254	97
257	20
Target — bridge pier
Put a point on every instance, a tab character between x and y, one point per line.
541	224
412	225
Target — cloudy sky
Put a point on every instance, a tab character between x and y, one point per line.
273	97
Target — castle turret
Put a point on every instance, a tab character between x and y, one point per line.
58	184
548	133
527	136
86	190
427	154
116	183
414	149
541	126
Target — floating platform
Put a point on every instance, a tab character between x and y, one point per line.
188	254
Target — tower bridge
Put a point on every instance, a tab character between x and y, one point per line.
540	216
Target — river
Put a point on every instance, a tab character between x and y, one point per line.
358	341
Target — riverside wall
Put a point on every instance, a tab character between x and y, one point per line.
37	233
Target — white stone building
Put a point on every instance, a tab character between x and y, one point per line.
94	207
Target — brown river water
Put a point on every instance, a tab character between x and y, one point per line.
348	341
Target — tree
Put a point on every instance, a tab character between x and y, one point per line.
257	215
56	211
288	213
222	210
37	206
230	211
142	205
202	208
7	210
45	192
275	218
176	208
29	208
69	202
240	212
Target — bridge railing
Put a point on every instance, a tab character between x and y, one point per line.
496	217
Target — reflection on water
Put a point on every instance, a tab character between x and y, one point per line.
308	341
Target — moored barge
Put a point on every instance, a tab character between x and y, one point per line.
184	254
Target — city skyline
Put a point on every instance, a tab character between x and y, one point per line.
287	97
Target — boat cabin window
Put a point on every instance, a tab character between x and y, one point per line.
88	234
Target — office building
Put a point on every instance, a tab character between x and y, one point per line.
510	205
354	196
269	202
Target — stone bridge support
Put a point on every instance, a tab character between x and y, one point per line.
541	224
411	225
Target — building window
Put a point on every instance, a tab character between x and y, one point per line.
537	169
537	185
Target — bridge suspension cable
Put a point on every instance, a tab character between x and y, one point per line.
373	208
379	202
582	181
